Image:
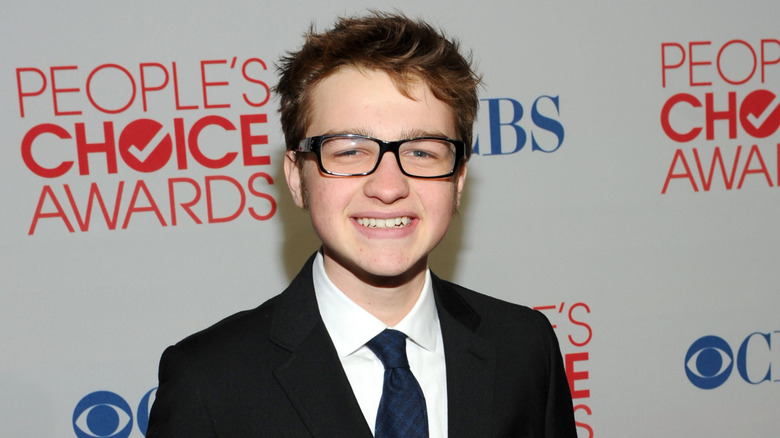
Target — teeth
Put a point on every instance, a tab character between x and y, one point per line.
398	222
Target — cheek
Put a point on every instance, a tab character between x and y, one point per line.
441	203
312	184
324	197
319	211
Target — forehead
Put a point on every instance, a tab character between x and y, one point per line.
369	102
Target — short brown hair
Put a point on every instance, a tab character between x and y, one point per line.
407	50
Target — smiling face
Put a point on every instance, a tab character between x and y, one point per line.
377	229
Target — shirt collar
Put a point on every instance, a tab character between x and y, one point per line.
350	326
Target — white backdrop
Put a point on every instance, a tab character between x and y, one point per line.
607	217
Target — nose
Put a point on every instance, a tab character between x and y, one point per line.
387	184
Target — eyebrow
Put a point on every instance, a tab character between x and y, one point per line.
406	134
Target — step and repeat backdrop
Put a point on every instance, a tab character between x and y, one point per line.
625	183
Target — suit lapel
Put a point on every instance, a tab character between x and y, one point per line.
317	386
313	377
470	362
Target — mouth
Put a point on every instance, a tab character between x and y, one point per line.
397	222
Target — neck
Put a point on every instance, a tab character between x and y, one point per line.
388	298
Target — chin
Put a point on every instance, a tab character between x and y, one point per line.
387	268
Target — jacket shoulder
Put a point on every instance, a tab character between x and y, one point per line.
482	312
232	329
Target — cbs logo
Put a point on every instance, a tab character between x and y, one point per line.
505	115
104	414
710	360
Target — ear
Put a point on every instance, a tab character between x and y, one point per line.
460	182
292	173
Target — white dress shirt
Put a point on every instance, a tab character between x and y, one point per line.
350	327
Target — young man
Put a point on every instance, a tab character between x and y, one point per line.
377	114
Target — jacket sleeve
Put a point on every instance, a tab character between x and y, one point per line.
560	411
179	410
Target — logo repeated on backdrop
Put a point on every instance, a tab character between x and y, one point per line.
721	114
107	129
569	318
107	414
505	129
710	360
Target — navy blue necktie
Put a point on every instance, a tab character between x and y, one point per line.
402	412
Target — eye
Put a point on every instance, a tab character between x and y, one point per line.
708	362
102	414
428	149
418	153
341	148
348	152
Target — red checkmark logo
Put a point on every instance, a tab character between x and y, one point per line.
760	113
144	145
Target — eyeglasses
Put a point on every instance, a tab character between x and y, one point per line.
358	155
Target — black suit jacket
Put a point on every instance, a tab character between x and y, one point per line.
273	372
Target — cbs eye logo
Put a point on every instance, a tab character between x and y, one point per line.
104	414
708	362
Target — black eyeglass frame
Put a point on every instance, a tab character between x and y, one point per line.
313	144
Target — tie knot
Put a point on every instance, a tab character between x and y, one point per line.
390	347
